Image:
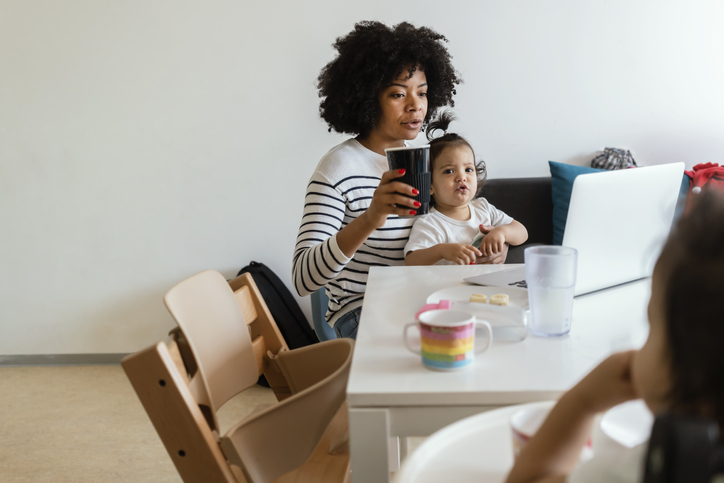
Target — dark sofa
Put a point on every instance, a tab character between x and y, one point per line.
529	201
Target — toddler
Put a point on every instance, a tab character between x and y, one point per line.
445	235
679	369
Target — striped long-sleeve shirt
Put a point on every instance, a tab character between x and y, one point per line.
339	191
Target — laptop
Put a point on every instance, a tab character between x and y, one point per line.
618	221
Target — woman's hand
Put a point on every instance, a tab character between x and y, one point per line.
389	199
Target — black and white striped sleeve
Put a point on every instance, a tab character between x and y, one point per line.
317	257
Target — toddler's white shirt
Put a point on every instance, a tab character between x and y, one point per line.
434	228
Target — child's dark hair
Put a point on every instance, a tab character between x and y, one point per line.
368	59
693	267
449	140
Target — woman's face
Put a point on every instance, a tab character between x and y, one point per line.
403	106
650	369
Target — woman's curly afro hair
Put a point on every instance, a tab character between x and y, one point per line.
368	59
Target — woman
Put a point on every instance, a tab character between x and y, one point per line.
383	87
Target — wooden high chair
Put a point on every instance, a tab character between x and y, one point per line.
183	382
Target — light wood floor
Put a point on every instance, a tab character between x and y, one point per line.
85	424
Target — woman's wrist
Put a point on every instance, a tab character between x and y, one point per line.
352	236
368	221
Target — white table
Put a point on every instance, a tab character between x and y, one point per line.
390	394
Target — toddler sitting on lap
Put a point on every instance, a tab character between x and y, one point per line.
445	235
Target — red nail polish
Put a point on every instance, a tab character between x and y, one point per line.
413	212
415	192
400	171
417	203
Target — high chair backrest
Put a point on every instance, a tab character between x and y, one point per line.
206	310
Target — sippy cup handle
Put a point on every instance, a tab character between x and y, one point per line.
489	340
407	342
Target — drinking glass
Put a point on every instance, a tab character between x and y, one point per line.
550	273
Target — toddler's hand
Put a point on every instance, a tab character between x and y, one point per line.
608	384
496	259
493	242
459	253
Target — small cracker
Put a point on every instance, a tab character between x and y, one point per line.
499	299
480	298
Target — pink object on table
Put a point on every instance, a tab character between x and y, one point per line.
441	305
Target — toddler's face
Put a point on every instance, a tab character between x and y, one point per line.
650	370
454	180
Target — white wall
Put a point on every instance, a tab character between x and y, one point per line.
143	141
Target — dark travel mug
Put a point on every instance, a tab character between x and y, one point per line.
415	160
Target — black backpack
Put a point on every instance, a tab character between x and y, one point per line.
284	308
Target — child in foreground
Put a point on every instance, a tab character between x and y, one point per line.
679	369
445	235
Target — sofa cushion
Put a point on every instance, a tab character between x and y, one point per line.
562	176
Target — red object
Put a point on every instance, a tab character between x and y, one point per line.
401	171
703	174
706	173
441	305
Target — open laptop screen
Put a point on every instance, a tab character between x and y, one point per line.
618	221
